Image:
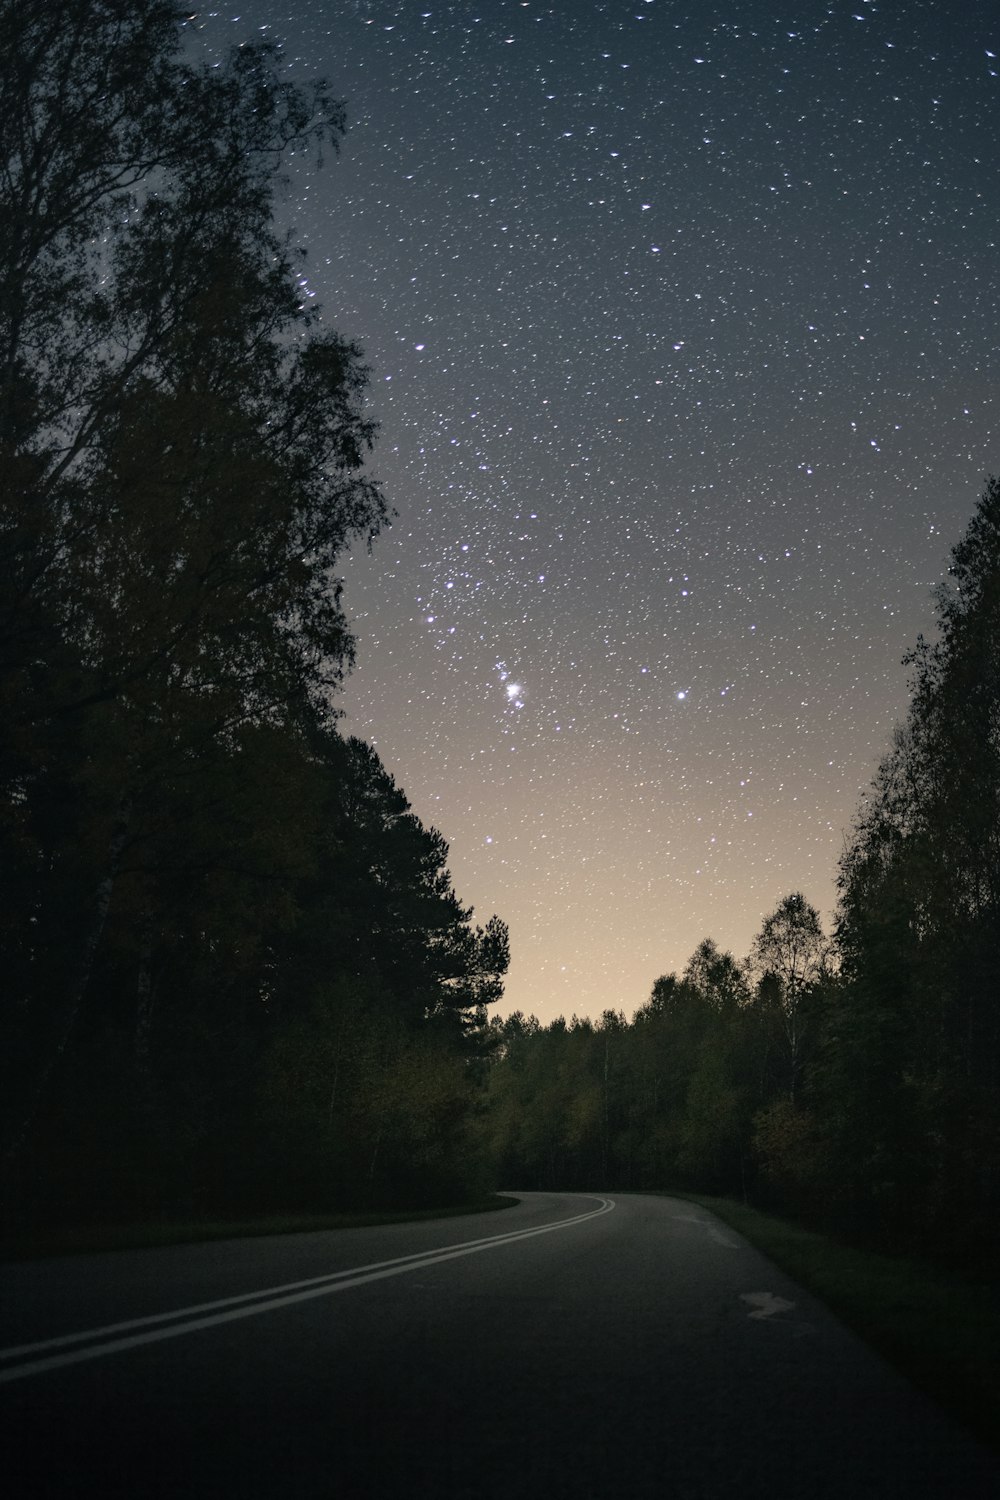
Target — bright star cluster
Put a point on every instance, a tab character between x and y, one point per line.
682	324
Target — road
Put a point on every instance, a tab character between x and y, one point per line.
572	1346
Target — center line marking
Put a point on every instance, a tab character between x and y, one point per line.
265	1300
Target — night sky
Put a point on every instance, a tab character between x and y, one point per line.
682	322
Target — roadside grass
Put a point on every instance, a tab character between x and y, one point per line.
77	1240
940	1330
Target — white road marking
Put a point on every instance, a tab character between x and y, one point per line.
715	1234
765	1304
721	1239
184	1320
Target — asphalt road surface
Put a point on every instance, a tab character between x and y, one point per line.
572	1346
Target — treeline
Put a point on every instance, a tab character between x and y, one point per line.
854	1081
703	1088
235	971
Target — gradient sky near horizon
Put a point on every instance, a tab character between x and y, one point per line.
683	328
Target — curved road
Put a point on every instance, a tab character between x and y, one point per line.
572	1346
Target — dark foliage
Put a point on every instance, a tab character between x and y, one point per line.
236	973
918	1040
697	1091
856	1084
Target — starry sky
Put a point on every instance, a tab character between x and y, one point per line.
683	324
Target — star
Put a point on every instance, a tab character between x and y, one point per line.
599	506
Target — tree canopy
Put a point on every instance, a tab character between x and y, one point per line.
236	968
853	1081
205	888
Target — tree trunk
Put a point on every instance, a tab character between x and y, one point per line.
101	906
331	1106
604	1133
374	1161
145	999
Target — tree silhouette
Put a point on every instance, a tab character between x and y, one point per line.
207	893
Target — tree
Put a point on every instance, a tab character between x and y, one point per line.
376	1034
717	976
181	448
919	922
921	873
409	924
791	947
132	184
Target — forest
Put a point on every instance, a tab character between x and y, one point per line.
237	975
851	1080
